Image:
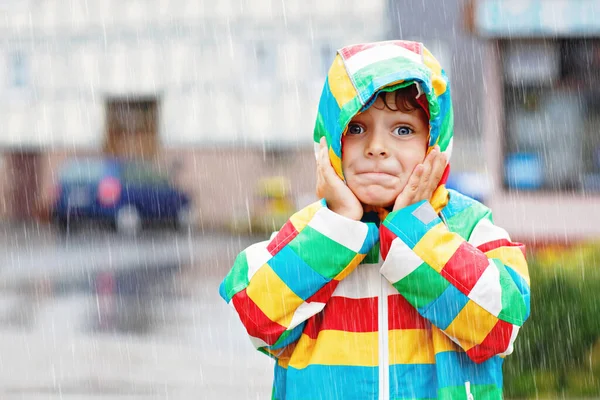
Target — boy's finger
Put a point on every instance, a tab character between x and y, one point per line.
438	169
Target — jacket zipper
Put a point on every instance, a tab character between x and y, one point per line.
384	387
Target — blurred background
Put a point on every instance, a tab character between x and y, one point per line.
144	143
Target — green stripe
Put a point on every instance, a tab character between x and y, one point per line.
321	253
372	256
237	279
446	130
488	392
364	77
348	112
465	221
422	286
513	305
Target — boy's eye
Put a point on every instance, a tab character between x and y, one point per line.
354	129
403	131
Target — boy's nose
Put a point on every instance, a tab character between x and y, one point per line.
376	147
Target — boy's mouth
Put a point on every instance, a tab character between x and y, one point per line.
376	176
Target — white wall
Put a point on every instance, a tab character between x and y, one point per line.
198	58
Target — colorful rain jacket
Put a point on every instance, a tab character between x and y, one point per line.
423	304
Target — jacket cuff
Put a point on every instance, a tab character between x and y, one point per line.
325	241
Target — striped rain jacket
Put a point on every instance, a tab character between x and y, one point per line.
423	304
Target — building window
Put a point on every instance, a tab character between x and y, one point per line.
18	70
552	100
265	58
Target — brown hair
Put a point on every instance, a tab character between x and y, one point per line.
405	99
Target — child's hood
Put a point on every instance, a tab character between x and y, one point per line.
361	71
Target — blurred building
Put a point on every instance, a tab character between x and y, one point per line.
221	93
442	29
542	115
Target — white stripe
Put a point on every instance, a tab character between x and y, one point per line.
485	232
345	231
400	262
379	53
487	292
257	342
304	312
363	282
513	337
257	255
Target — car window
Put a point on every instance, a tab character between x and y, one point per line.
143	174
83	171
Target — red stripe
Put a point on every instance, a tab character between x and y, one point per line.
350	315
496	244
287	233
350	51
495	342
256	322
313	326
404	316
445	175
324	294
465	267
386	237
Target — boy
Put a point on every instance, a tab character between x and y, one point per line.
391	286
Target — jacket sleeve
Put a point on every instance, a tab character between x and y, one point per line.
475	291
275	286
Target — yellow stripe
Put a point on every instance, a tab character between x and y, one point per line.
337	348
272	296
437	246
336	163
441	342
355	261
340	85
512	257
471	325
303	217
437	81
411	346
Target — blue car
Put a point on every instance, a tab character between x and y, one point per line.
124	193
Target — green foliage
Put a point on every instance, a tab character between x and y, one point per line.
553	353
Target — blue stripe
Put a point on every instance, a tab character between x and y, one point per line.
413	381
522	286
330	113
296	274
223	292
326	382
408	227
445	308
279	382
371	239
458	203
454	369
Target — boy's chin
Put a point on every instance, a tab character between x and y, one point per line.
378	201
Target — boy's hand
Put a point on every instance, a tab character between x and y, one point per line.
338	196
423	181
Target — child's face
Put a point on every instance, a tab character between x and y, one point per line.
380	150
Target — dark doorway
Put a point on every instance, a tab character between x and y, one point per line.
132	128
23	169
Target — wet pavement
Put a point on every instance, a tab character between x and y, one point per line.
95	315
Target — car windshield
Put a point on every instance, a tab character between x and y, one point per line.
143	174
83	171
